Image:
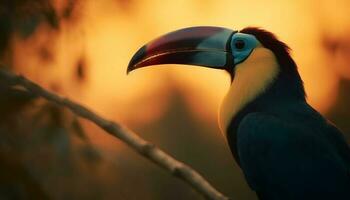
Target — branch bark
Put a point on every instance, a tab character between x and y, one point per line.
143	147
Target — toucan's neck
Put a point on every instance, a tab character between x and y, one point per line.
278	96
259	84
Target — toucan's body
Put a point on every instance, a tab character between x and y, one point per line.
285	148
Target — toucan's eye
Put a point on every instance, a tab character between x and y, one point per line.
242	45
239	44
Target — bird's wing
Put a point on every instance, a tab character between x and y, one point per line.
282	160
337	139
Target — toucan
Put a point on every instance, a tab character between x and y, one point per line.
285	148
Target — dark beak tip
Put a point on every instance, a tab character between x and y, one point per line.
129	69
138	56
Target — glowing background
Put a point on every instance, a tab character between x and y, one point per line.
108	33
101	36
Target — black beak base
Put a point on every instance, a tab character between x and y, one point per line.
203	46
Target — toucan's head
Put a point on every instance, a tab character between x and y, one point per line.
216	47
255	59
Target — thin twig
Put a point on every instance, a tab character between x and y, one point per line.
143	147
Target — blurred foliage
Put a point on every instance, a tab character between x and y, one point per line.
15	180
45	152
23	16
337	48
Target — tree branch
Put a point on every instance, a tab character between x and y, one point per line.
143	147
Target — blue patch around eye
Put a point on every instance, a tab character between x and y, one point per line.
250	42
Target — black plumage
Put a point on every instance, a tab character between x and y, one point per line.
285	148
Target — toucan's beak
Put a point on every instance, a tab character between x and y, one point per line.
204	46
